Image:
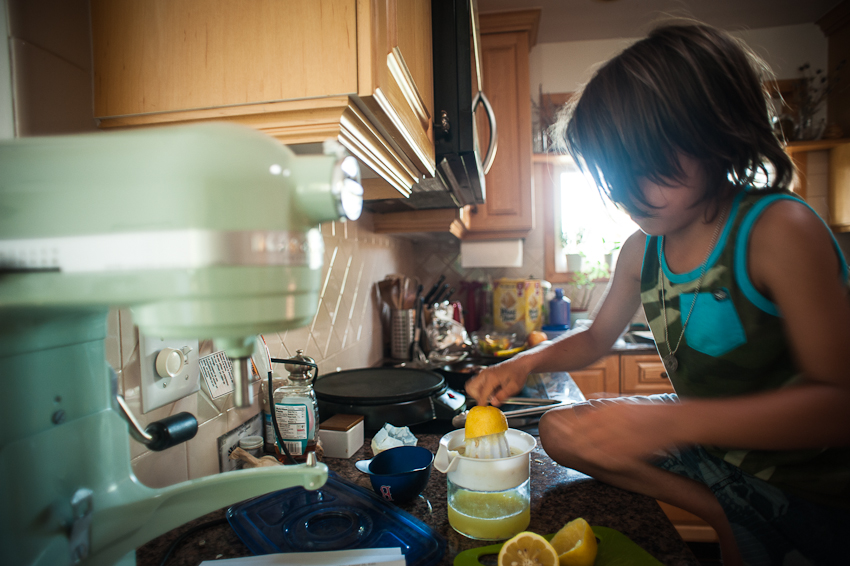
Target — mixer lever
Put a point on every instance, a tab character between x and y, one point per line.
162	434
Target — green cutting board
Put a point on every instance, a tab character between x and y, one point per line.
615	549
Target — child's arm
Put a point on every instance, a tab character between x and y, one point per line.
793	263
574	350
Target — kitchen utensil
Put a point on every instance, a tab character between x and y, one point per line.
214	241
437	298
399	396
434	289
398	474
488	499
339	515
614	549
417	356
544	405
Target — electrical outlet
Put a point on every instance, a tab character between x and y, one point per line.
170	370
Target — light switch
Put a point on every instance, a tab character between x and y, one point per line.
169	369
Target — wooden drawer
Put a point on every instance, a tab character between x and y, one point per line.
690	527
600	379
643	375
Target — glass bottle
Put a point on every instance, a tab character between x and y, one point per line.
296	410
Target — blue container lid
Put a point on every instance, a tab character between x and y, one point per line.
338	516
555	328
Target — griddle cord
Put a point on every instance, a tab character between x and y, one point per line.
278	436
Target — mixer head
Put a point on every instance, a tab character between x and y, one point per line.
206	231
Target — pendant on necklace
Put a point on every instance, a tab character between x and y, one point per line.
670	362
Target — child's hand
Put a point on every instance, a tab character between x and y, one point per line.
496	383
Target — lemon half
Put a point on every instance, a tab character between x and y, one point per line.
575	544
527	549
483	420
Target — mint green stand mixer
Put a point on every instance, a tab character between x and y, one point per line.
206	231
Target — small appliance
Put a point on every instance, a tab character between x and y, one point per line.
206	231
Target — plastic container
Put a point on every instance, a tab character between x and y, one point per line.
337	516
342	435
253	445
559	309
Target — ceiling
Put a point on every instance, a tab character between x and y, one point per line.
575	20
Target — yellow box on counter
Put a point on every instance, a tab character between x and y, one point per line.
518	300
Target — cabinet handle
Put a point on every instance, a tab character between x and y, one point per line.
481	98
664	375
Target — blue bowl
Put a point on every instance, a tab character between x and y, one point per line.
399	474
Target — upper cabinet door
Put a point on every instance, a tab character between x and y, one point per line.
396	79
170	55
302	71
508	209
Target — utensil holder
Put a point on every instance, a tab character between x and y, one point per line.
402	327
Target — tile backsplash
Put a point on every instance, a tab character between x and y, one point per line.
340	336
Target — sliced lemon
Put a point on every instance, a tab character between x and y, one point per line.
575	544
527	549
483	420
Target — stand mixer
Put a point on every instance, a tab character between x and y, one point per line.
205	231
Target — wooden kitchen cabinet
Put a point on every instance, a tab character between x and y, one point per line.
600	379
623	374
838	177
359	71
643	375
508	211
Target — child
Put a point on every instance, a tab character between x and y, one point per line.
745	291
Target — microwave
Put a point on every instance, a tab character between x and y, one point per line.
460	166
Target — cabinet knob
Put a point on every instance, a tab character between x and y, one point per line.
664	375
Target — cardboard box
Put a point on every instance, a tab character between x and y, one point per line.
341	435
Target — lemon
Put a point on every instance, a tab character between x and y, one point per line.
575	544
527	549
483	420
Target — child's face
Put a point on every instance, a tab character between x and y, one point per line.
675	202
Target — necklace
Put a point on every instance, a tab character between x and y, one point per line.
670	361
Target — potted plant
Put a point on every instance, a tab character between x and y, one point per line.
572	249
580	289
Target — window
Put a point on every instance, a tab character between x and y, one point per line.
579	224
587	227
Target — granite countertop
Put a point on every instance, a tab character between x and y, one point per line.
558	495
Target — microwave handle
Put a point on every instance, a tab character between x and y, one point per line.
481	98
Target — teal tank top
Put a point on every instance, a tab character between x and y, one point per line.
734	344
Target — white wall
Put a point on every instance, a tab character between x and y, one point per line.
564	67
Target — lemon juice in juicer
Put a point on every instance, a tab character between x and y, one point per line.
487	466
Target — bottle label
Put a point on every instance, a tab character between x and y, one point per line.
296	422
268	429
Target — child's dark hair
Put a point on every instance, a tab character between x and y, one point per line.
688	89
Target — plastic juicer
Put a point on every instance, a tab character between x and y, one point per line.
206	231
488	498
